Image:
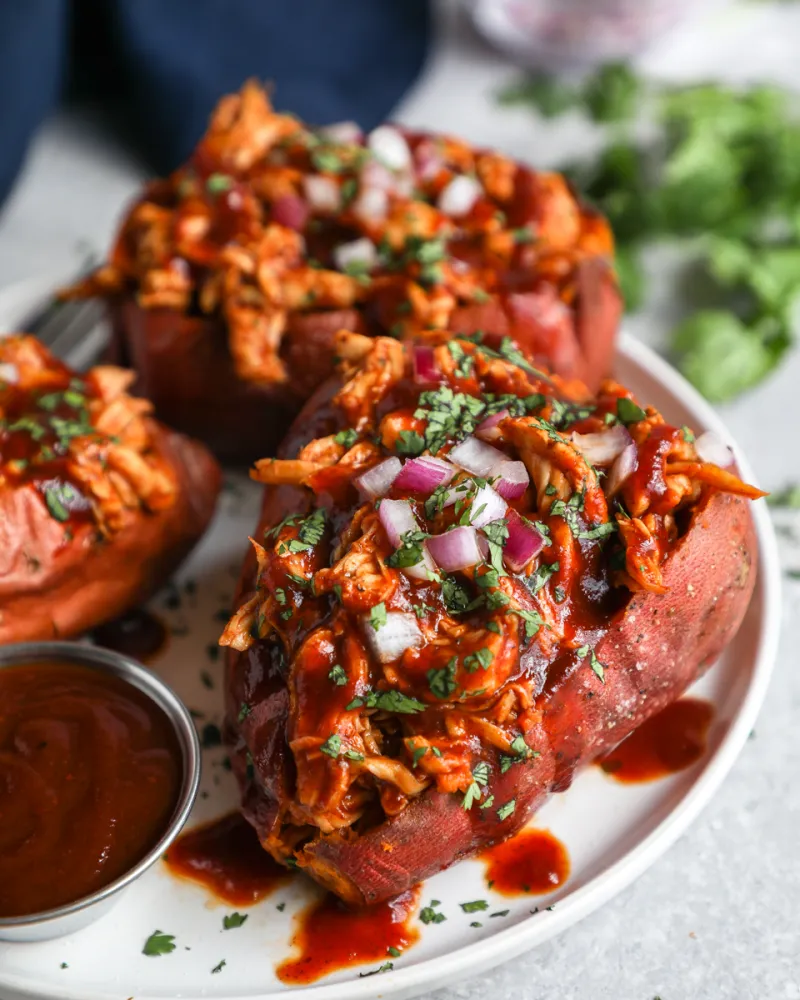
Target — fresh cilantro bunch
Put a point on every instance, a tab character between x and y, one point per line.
721	177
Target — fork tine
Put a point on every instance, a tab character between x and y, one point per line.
75	331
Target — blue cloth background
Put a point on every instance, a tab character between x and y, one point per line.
157	67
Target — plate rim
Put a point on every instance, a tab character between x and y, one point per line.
478	956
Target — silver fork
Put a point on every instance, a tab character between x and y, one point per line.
74	331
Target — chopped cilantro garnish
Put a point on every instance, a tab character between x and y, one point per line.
159	944
481	658
332	745
337	675
232	920
418	754
539	578
244	711
480	778
219	966
219	183
377	616
386	967
410	551
475	906
409	443
594	663
628	411
505	811
58	496
388	701
346	438
454	595
442	681
428	915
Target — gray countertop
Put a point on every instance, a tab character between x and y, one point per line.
719	915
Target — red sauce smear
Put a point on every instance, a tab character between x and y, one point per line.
667	743
90	771
138	633
532	862
332	937
226	857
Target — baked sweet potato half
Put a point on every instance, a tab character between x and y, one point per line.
99	503
465	585
230	279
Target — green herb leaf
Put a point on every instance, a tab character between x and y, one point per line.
476	906
337	675
377	616
506	810
159	944
232	920
409	443
628	411
442	682
332	745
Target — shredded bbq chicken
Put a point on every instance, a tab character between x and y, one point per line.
271	219
417	606
82	440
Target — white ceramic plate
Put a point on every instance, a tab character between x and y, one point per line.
629	827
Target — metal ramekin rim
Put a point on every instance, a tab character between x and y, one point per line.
146	681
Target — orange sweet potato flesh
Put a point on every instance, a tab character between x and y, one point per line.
653	650
55	589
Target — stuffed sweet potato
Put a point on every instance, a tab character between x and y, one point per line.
230	279
464	586
98	501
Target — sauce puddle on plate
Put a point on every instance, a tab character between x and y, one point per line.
669	742
534	861
138	634
331	937
226	857
90	771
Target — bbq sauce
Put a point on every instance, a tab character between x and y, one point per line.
534	861
331	937
669	742
90	772
226	857
137	633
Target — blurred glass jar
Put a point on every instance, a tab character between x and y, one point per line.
564	34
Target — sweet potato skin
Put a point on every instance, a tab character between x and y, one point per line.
51	588
653	650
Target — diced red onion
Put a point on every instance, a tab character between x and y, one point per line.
371	205
377	481
9	373
362	252
476	456
459	196
428	160
455	549
290	210
343	133
488	429
712	448
390	147
425	370
375	175
604	447
398	519
399	632
513	479
622	469
423	475
322	193
523	543
486	506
